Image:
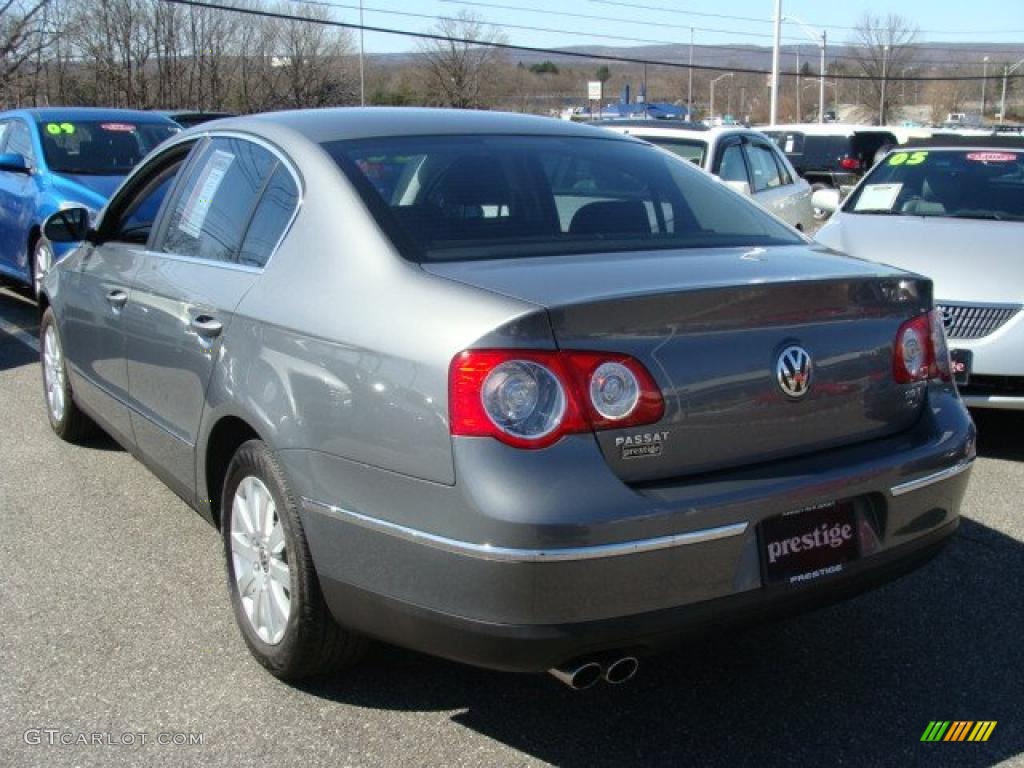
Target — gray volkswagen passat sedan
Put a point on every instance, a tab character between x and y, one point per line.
508	390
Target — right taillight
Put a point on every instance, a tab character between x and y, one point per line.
531	399
920	351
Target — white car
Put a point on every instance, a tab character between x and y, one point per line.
952	209
746	160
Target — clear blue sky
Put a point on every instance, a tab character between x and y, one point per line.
988	21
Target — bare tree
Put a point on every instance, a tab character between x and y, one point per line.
882	48
23	37
459	67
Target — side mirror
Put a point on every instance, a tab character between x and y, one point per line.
70	225
739	186
13	162
826	200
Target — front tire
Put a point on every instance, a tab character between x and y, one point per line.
42	261
67	420
275	592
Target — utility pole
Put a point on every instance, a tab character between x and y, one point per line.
689	94
799	112
1007	71
885	61
821	39
362	72
773	113
984	80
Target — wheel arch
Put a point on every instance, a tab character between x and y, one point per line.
225	437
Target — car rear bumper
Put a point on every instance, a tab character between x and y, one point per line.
540	573
538	647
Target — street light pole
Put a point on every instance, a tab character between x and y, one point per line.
773	113
711	105
1007	71
821	38
799	112
984	80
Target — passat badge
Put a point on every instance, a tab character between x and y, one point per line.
641	446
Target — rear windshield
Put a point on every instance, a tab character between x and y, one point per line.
100	147
481	197
693	150
960	184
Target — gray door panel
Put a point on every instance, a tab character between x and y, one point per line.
172	348
95	300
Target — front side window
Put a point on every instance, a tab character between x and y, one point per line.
963	184
480	197
213	207
99	147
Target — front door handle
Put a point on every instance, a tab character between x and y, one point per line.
206	326
117	298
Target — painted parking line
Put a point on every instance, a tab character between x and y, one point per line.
20	334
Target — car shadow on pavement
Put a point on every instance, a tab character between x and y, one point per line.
999	433
856	683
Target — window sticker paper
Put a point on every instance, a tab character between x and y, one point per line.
878	197
198	203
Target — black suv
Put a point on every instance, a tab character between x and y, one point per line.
832	155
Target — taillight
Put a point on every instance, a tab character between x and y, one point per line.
531	399
920	351
850	164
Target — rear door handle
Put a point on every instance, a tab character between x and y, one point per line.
117	298
206	326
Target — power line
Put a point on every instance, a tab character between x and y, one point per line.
536	49
825	26
797	41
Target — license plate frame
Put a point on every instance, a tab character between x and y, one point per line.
809	544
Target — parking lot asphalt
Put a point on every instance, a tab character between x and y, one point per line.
114	620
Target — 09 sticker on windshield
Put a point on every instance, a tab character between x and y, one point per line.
198	203
878	197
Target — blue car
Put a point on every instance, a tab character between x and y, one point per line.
58	157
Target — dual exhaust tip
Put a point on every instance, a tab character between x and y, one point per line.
586	673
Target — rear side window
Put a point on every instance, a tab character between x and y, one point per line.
763	168
271	219
213	207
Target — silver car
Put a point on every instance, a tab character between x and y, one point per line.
504	389
952	209
746	160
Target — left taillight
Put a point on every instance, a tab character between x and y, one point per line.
850	163
920	351
531	399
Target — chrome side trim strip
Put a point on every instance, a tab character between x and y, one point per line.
936	477
516	555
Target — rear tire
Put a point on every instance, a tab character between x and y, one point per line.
67	420
275	592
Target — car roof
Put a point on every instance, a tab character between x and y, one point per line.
349	123
954	142
826	129
59	114
702	134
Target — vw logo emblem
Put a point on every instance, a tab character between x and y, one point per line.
948	317
793	371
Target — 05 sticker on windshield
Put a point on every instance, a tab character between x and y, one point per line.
878	197
908	158
198	203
